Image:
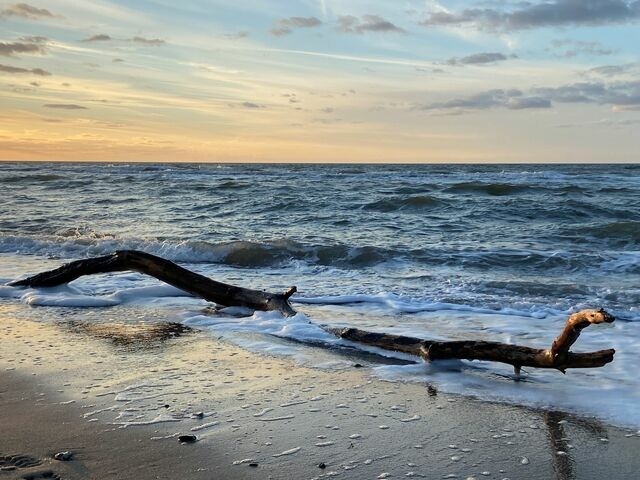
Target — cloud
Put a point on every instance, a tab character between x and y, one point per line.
573	48
65	106
480	101
148	41
285	26
13	48
520	103
101	37
237	35
478	59
368	23
619	95
526	15
615	70
251	105
34	71
29	12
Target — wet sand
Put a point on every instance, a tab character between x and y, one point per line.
118	396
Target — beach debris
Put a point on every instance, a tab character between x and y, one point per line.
322	465
253	464
556	357
63	456
244	460
168	272
524	461
187	438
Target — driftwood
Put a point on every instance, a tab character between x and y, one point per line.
167	271
558	356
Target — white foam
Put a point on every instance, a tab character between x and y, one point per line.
400	304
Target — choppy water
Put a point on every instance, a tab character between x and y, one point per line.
456	252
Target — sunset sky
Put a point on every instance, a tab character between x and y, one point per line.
320	80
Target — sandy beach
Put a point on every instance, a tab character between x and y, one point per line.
119	396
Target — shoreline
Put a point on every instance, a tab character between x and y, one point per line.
118	396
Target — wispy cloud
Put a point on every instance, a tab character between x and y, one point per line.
18	70
573	48
148	41
101	37
527	15
8	49
478	59
285	26
496	98
251	105
64	106
368	23
615	70
619	95
27	11
237	35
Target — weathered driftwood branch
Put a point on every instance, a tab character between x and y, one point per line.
167	271
558	356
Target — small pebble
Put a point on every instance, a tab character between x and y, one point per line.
187	438
322	465
524	461
63	456
253	464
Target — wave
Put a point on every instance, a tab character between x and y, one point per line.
82	242
412	203
34	178
620	230
495	189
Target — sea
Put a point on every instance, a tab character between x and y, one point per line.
451	252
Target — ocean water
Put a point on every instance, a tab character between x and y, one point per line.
480	252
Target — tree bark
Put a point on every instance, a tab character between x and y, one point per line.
167	271
558	356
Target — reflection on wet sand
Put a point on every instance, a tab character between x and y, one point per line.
137	336
564	463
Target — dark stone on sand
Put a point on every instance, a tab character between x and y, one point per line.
63	456
199	415
358	365
253	464
187	438
322	465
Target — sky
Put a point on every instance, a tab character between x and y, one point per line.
320	81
